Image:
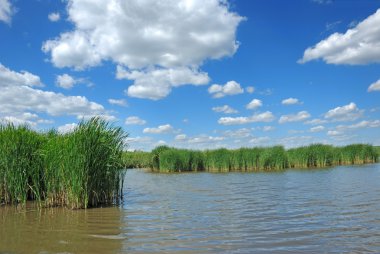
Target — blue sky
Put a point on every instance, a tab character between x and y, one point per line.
196	74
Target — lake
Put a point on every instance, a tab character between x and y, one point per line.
334	210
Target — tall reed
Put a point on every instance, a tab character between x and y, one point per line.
79	169
20	164
166	159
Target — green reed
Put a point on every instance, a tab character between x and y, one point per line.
166	159
79	169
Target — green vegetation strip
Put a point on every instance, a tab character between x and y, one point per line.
79	169
166	159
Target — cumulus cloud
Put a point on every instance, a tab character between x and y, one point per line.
374	87
118	102
12	78
318	128
145	34
18	96
290	101
25	118
239	133
167	128
254	104
230	88
348	112
358	45
262	117
6	11
360	125
139	143
156	83
300	116
134	120
180	137
65	81
204	139
334	133
225	109
54	16
258	141
316	121
67	128
296	141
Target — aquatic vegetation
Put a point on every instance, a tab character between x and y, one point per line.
137	159
166	159
78	169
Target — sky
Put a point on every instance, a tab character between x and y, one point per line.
195	74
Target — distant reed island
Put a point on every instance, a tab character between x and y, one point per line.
80	169
276	158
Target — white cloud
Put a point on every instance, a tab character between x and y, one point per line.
65	81
290	101
54	16
134	120
374	87
254	104
259	141
202	139
66	128
366	124
268	128
225	109
316	121
18	96
167	128
230	88
348	112
358	45
25	118
12	78
296	141
156	84
6	11
300	116
239	133
318	128
334	133
262	117
143	35
250	89
139	143
180	137
119	102
360	125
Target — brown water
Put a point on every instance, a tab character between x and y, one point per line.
323	211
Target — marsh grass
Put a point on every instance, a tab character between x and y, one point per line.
79	169
166	159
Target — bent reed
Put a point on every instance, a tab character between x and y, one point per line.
276	158
80	169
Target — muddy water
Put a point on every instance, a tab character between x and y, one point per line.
323	211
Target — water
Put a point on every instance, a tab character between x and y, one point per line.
320	211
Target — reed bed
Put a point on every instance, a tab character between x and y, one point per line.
166	159
80	169
137	159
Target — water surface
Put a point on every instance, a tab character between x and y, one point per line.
315	211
